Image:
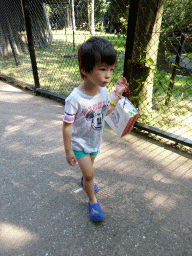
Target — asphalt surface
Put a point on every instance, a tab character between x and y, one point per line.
145	189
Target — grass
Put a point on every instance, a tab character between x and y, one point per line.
23	72
57	64
178	112
59	73
182	89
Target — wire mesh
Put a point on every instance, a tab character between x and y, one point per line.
14	55
166	94
161	62
57	61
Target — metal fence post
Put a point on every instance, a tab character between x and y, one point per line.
25	5
177	61
131	27
73	41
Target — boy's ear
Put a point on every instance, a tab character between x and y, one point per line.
83	72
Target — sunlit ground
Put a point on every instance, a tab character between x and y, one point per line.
144	187
14	237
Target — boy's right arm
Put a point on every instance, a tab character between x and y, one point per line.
67	133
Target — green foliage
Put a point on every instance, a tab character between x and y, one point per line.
177	15
138	74
189	55
108	12
177	18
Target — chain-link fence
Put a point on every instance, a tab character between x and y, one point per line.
14	56
154	52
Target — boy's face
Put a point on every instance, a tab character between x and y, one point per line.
101	74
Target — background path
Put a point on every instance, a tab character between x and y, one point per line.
145	189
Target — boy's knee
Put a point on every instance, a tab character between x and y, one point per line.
88	177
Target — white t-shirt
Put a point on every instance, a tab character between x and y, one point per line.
87	114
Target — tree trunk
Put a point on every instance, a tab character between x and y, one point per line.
12	27
41	32
151	62
7	32
73	14
140	68
12	43
88	15
48	25
5	48
69	21
92	18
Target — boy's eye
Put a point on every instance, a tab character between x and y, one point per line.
103	69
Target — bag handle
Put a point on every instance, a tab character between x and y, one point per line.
127	91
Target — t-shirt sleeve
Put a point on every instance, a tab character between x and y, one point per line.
69	112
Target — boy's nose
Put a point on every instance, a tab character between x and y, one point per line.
107	74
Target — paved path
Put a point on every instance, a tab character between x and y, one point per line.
145	189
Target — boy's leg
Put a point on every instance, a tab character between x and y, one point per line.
86	166
93	158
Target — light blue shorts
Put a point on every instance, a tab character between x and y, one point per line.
79	154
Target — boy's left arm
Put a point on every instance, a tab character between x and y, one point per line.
120	88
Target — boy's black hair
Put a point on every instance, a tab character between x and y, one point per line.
96	50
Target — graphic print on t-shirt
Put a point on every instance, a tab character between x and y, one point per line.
96	115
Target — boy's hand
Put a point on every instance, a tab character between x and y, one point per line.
71	159
121	86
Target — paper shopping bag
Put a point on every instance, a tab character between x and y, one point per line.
123	117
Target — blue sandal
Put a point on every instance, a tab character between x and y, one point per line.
95	211
96	188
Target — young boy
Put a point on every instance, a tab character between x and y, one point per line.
85	109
